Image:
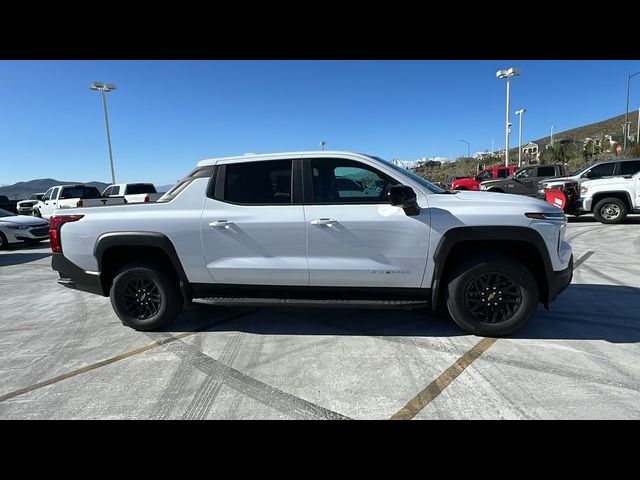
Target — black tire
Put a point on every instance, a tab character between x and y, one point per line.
36	213
610	210
145	297
480	279
3	241
495	190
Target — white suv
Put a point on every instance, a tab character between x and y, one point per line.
330	228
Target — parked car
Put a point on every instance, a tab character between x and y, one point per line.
9	205
468	183
25	207
132	192
20	228
593	171
610	199
71	196
231	229
524	181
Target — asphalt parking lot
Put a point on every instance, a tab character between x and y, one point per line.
64	354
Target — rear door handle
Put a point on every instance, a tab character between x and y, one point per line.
323	221
221	223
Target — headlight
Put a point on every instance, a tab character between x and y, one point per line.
584	189
18	227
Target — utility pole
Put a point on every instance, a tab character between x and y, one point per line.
551	136
104	88
507	74
626	113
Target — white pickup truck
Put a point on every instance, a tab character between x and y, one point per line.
132	192
610	199
71	196
323	229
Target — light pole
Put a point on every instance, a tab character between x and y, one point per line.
105	88
507	74
551	136
468	148
322	144
626	114
520	113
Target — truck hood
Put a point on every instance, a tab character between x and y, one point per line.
24	220
609	182
506	199
497	181
558	180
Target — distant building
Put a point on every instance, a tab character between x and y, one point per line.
531	152
598	142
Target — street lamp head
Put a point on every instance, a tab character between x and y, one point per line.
511	72
105	87
521	111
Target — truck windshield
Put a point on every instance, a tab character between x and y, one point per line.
408	173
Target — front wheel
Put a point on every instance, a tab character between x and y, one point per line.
492	295
3	241
610	210
36	213
145	297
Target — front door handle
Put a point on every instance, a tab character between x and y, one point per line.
323	221
221	223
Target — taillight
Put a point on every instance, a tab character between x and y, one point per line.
55	223
80	203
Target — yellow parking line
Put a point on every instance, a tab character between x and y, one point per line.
431	391
93	366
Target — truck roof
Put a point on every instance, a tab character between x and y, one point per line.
266	156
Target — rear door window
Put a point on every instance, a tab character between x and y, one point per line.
629	168
138	188
503	173
258	183
546	171
80	192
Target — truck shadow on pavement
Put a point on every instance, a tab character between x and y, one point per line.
13	257
630	220
582	312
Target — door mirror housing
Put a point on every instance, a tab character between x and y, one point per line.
403	196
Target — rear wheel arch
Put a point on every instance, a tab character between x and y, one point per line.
459	244
116	249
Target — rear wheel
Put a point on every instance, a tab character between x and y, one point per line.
492	295
496	190
610	210
145	297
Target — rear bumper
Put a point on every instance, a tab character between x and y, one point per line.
72	276
560	280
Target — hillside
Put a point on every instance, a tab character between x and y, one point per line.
611	126
22	190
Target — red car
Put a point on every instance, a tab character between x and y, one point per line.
490	173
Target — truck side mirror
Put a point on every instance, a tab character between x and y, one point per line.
403	196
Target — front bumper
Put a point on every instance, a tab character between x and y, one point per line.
584	204
72	276
560	280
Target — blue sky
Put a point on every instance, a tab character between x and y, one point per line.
167	115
